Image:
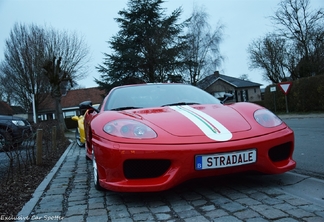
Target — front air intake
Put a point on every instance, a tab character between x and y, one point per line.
144	169
280	152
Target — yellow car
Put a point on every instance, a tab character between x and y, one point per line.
79	132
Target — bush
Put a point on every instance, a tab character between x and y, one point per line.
20	175
22	155
305	95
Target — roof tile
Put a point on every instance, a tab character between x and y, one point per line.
74	97
236	82
5	109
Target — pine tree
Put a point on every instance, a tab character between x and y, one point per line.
147	47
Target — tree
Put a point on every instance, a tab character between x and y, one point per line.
2	89
65	63
147	47
296	22
21	69
244	77
202	55
318	53
58	79
269	54
28	52
295	49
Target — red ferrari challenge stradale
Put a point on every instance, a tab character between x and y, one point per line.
151	137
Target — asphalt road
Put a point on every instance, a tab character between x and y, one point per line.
309	145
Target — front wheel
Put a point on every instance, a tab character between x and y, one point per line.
77	138
95	173
86	152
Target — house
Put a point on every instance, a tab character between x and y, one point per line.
243	91
19	111
70	102
5	109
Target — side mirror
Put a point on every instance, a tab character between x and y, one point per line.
87	105
227	96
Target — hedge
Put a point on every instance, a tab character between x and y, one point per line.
305	95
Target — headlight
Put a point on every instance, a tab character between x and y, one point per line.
129	129
266	118
18	122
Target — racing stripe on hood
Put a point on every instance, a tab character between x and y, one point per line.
207	124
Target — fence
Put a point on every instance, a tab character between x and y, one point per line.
38	149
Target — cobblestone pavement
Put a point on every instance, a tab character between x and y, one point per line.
68	194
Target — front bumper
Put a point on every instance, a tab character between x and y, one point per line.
154	167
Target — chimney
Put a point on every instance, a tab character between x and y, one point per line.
216	73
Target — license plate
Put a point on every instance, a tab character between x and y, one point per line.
222	160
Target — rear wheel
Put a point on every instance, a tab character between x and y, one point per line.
95	173
77	138
5	140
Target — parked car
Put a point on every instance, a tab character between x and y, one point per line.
151	137
79	131
13	130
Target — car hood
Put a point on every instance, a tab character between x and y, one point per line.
216	121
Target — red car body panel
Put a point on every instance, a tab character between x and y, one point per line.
178	143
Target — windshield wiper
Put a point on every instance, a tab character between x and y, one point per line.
181	104
125	107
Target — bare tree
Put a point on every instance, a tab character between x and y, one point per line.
57	77
2	90
28	52
5	90
295	48
20	71
296	23
203	55
318	53
66	56
269	54
71	48
244	77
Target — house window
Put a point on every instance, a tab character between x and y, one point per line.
42	117
68	114
244	96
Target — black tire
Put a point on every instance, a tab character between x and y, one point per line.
95	173
86	151
77	138
5	140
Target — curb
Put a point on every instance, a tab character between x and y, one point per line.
301	116
29	206
299	185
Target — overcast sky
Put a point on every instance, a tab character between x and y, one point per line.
244	20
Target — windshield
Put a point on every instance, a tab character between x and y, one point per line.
157	95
